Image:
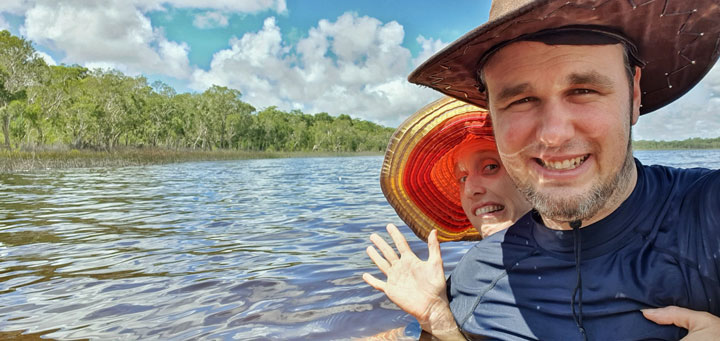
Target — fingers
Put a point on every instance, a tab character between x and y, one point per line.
374	282
381	262
681	317
434	254
398	239
383	246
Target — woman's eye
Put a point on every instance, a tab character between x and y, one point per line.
491	168
462	179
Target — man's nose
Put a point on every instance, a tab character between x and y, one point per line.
555	124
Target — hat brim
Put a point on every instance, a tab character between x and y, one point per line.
678	40
416	175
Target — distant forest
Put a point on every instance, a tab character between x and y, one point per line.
693	143
74	107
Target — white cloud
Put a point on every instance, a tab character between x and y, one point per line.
112	33
210	20
712	80
117	33
48	59
17	7
355	65
241	6
428	47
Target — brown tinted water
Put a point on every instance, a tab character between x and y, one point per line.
250	250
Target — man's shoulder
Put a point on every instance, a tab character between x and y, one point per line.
660	173
679	182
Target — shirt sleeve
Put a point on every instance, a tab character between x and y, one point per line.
703	209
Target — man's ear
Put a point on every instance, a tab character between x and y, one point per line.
637	95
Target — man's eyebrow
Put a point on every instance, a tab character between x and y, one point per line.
592	77
512	91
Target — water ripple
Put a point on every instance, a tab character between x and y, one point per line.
252	250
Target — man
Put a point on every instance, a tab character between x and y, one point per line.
609	238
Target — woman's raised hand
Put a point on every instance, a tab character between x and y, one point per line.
416	286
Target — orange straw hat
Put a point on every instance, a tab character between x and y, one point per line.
418	173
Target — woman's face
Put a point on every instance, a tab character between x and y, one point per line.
488	196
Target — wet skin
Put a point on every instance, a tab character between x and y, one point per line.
562	116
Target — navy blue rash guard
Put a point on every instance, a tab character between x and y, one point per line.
659	248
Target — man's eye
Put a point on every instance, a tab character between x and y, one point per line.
524	100
521	103
583	91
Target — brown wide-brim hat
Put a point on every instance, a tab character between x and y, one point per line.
679	41
418	173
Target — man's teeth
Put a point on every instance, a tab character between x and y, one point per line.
565	164
488	209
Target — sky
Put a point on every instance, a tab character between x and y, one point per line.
339	57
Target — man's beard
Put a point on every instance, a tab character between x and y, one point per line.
582	206
586	205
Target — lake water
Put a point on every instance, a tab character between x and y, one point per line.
252	249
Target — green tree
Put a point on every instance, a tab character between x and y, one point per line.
19	68
225	116
48	98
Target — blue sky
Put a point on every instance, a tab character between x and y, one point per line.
340	57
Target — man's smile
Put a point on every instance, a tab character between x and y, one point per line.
566	164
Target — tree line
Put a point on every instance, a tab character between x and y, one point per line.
691	143
43	105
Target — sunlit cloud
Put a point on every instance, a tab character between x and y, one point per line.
46	57
355	65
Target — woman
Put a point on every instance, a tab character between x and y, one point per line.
442	174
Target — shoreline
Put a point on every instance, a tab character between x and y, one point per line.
18	161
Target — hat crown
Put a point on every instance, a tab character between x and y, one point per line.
499	8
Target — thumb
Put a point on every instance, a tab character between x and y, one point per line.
681	317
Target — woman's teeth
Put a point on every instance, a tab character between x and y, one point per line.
488	209
565	164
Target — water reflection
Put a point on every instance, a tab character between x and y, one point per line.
244	249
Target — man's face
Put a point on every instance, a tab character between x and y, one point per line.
562	117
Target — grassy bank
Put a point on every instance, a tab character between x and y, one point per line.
23	161
692	143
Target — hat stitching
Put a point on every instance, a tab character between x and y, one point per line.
634	6
681	30
439	77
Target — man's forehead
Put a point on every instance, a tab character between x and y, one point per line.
572	64
577	38
533	51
